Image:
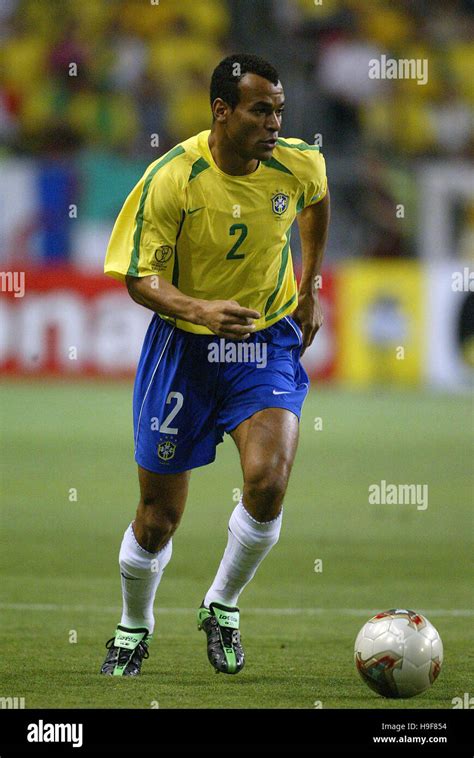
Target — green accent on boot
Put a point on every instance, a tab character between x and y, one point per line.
228	618
202	615
225	616
129	639
118	670
231	660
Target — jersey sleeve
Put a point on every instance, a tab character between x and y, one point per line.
315	183
143	239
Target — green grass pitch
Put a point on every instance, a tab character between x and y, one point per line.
61	591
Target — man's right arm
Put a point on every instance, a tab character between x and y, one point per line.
226	318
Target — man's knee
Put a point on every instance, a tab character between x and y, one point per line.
162	502
266	485
158	521
158	518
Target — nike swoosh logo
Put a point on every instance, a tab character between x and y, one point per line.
281	392
195	210
132	578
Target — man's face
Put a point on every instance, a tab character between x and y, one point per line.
253	126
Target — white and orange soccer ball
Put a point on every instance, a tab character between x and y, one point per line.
398	653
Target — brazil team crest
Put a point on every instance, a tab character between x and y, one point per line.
166	450
280	203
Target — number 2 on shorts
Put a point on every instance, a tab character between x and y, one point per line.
164	428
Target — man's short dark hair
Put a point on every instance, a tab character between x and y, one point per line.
227	75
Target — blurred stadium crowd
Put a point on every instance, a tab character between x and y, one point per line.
94	90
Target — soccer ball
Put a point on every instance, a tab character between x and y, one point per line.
398	653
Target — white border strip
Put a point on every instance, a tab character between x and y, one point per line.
149	385
363	612
299	333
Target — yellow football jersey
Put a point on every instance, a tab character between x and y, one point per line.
216	236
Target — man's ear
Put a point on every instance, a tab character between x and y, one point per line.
220	110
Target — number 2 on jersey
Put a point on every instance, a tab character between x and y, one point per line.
232	254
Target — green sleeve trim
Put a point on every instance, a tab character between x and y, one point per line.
317	198
273	163
298	146
200	165
176	262
133	268
300	203
281	274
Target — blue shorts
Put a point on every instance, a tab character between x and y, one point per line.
191	388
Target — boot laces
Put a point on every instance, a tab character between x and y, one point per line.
124	653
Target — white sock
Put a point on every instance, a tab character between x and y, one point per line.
248	543
145	570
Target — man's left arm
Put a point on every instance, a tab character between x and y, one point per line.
313	224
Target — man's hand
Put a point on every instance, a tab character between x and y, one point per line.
309	316
227	318
313	223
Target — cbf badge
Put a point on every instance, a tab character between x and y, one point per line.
280	203
166	450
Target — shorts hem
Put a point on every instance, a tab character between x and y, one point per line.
179	470
256	409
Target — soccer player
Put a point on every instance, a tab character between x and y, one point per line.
203	240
